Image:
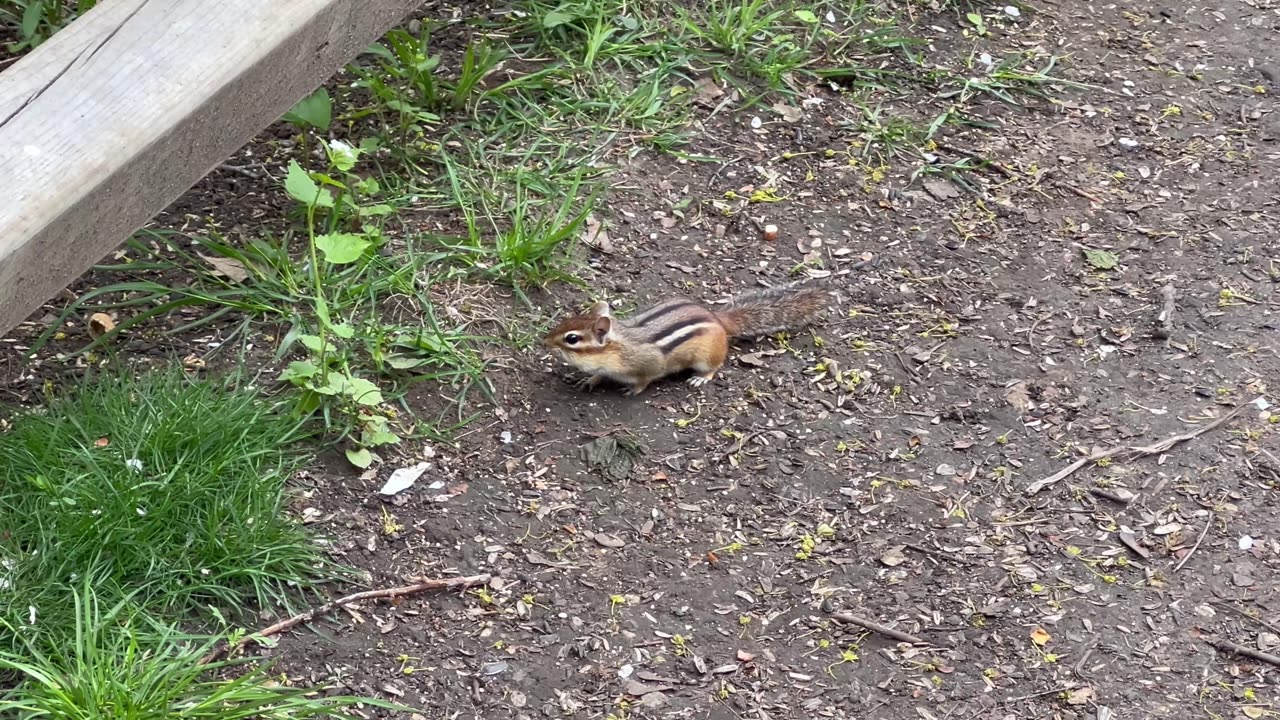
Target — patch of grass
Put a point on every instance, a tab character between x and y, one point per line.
168	489
533	229
117	664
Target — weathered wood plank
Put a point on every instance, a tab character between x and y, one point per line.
112	119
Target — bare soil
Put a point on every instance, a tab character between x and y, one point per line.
879	464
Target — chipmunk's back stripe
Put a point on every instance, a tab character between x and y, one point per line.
653	313
671	337
666	346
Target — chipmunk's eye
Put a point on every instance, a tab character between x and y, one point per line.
572	338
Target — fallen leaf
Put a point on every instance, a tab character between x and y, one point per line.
1018	396
706	92
232	270
941	189
1040	637
1080	696
1101	259
754	359
1131	542
609	541
894	556
636	688
788	113
595	236
100	324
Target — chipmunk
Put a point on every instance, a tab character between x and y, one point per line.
675	335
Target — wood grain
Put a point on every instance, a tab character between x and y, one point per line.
113	118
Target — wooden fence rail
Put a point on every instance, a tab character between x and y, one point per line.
112	119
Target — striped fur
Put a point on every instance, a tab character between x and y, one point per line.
674	335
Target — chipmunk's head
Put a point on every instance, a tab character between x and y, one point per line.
581	336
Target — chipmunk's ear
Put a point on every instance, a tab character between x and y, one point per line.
601	328
601	309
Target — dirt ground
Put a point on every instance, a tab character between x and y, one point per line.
883	465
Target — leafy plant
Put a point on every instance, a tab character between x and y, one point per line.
979	24
312	111
407	80
332	379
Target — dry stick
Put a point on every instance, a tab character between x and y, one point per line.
1232	608
1139	451
878	628
1228	646
1195	547
1012	175
423	585
1042	693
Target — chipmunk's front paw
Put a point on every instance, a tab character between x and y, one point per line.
636	389
700	380
588	383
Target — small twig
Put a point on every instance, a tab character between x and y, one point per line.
1245	615
940	555
1228	646
1042	693
742	442
1135	452
1195	547
1082	193
1164	321
1012	175
246	170
878	628
423	585
1031	334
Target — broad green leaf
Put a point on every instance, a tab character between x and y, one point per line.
299	185
314	110
363	391
400	362
336	384
360	457
343	330
324	179
1101	259
299	370
378	438
311	342
342	248
806	17
377	432
377	210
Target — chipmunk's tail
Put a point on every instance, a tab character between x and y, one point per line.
764	312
